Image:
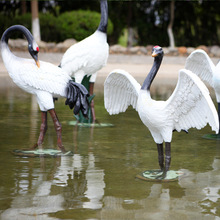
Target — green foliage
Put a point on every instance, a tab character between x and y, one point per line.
195	22
49	28
123	39
79	24
23	20
75	24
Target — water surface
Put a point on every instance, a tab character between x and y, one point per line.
98	181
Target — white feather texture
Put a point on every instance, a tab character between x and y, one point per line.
120	91
216	82
45	82
190	105
87	56
200	63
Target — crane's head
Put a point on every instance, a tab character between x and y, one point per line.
33	50
157	51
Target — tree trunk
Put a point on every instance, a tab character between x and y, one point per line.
130	29
35	20
23	7
170	25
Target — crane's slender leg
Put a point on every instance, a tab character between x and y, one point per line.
167	158
43	129
91	90
219	117
160	155
58	129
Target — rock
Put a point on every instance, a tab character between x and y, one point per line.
190	50
182	50
149	48
18	43
69	42
42	46
21	45
166	50
60	48
133	50
215	50
173	51
203	47
117	49
143	50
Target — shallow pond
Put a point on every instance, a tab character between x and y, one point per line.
99	180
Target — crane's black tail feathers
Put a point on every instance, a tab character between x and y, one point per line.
77	95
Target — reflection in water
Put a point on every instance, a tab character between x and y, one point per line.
205	188
95	185
98	181
34	114
67	187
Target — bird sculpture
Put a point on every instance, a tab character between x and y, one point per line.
44	80
189	106
200	63
88	56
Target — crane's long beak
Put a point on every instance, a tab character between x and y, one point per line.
154	54
38	63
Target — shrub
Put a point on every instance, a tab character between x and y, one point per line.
49	28
75	24
80	24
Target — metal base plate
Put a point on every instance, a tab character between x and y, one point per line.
212	136
41	153
155	175
74	123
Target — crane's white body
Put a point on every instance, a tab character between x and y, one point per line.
44	82
189	106
200	63
86	57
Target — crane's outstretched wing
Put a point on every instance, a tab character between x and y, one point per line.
199	63
190	105
120	91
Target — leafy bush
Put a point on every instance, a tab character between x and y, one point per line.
74	24
49	28
6	22
80	24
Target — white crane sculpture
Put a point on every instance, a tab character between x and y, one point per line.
190	105
43	80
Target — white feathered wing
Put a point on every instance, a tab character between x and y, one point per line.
120	91
190	105
200	63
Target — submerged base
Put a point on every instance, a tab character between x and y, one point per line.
212	136
155	175
74	123
41	153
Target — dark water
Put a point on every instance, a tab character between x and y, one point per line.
99	182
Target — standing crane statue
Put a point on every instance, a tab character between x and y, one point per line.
43	80
190	105
88	56
200	63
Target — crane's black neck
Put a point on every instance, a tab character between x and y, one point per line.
6	35
153	72
104	16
